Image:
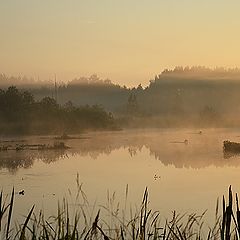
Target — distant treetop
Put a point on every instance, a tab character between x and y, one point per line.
194	72
92	80
23	81
201	69
199	72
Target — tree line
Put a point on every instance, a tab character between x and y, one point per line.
182	96
20	113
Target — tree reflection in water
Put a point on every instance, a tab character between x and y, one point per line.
14	160
203	150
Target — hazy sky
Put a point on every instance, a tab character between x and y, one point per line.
128	41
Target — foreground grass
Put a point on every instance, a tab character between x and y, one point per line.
87	222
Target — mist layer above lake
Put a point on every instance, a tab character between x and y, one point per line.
187	177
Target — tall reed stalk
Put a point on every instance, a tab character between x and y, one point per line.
89	223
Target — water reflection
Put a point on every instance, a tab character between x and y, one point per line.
167	146
14	160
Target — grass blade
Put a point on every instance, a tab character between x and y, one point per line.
22	236
10	214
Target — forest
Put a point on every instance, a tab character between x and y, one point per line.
182	97
20	113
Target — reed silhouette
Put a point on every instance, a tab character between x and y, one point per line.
142	223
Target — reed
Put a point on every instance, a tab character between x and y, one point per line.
89	223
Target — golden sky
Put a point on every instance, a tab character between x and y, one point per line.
128	41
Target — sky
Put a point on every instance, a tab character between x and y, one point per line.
127	41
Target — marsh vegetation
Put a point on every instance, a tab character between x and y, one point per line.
115	220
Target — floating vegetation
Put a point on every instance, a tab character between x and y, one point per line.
20	147
12	141
231	146
230	149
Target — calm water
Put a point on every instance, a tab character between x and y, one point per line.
182	177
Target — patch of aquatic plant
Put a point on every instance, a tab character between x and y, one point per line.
81	220
19	147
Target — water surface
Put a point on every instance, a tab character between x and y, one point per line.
182	177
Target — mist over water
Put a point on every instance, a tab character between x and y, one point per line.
177	174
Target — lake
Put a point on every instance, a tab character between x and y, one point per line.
186	177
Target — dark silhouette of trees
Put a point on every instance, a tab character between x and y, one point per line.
177	95
21	113
132	105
